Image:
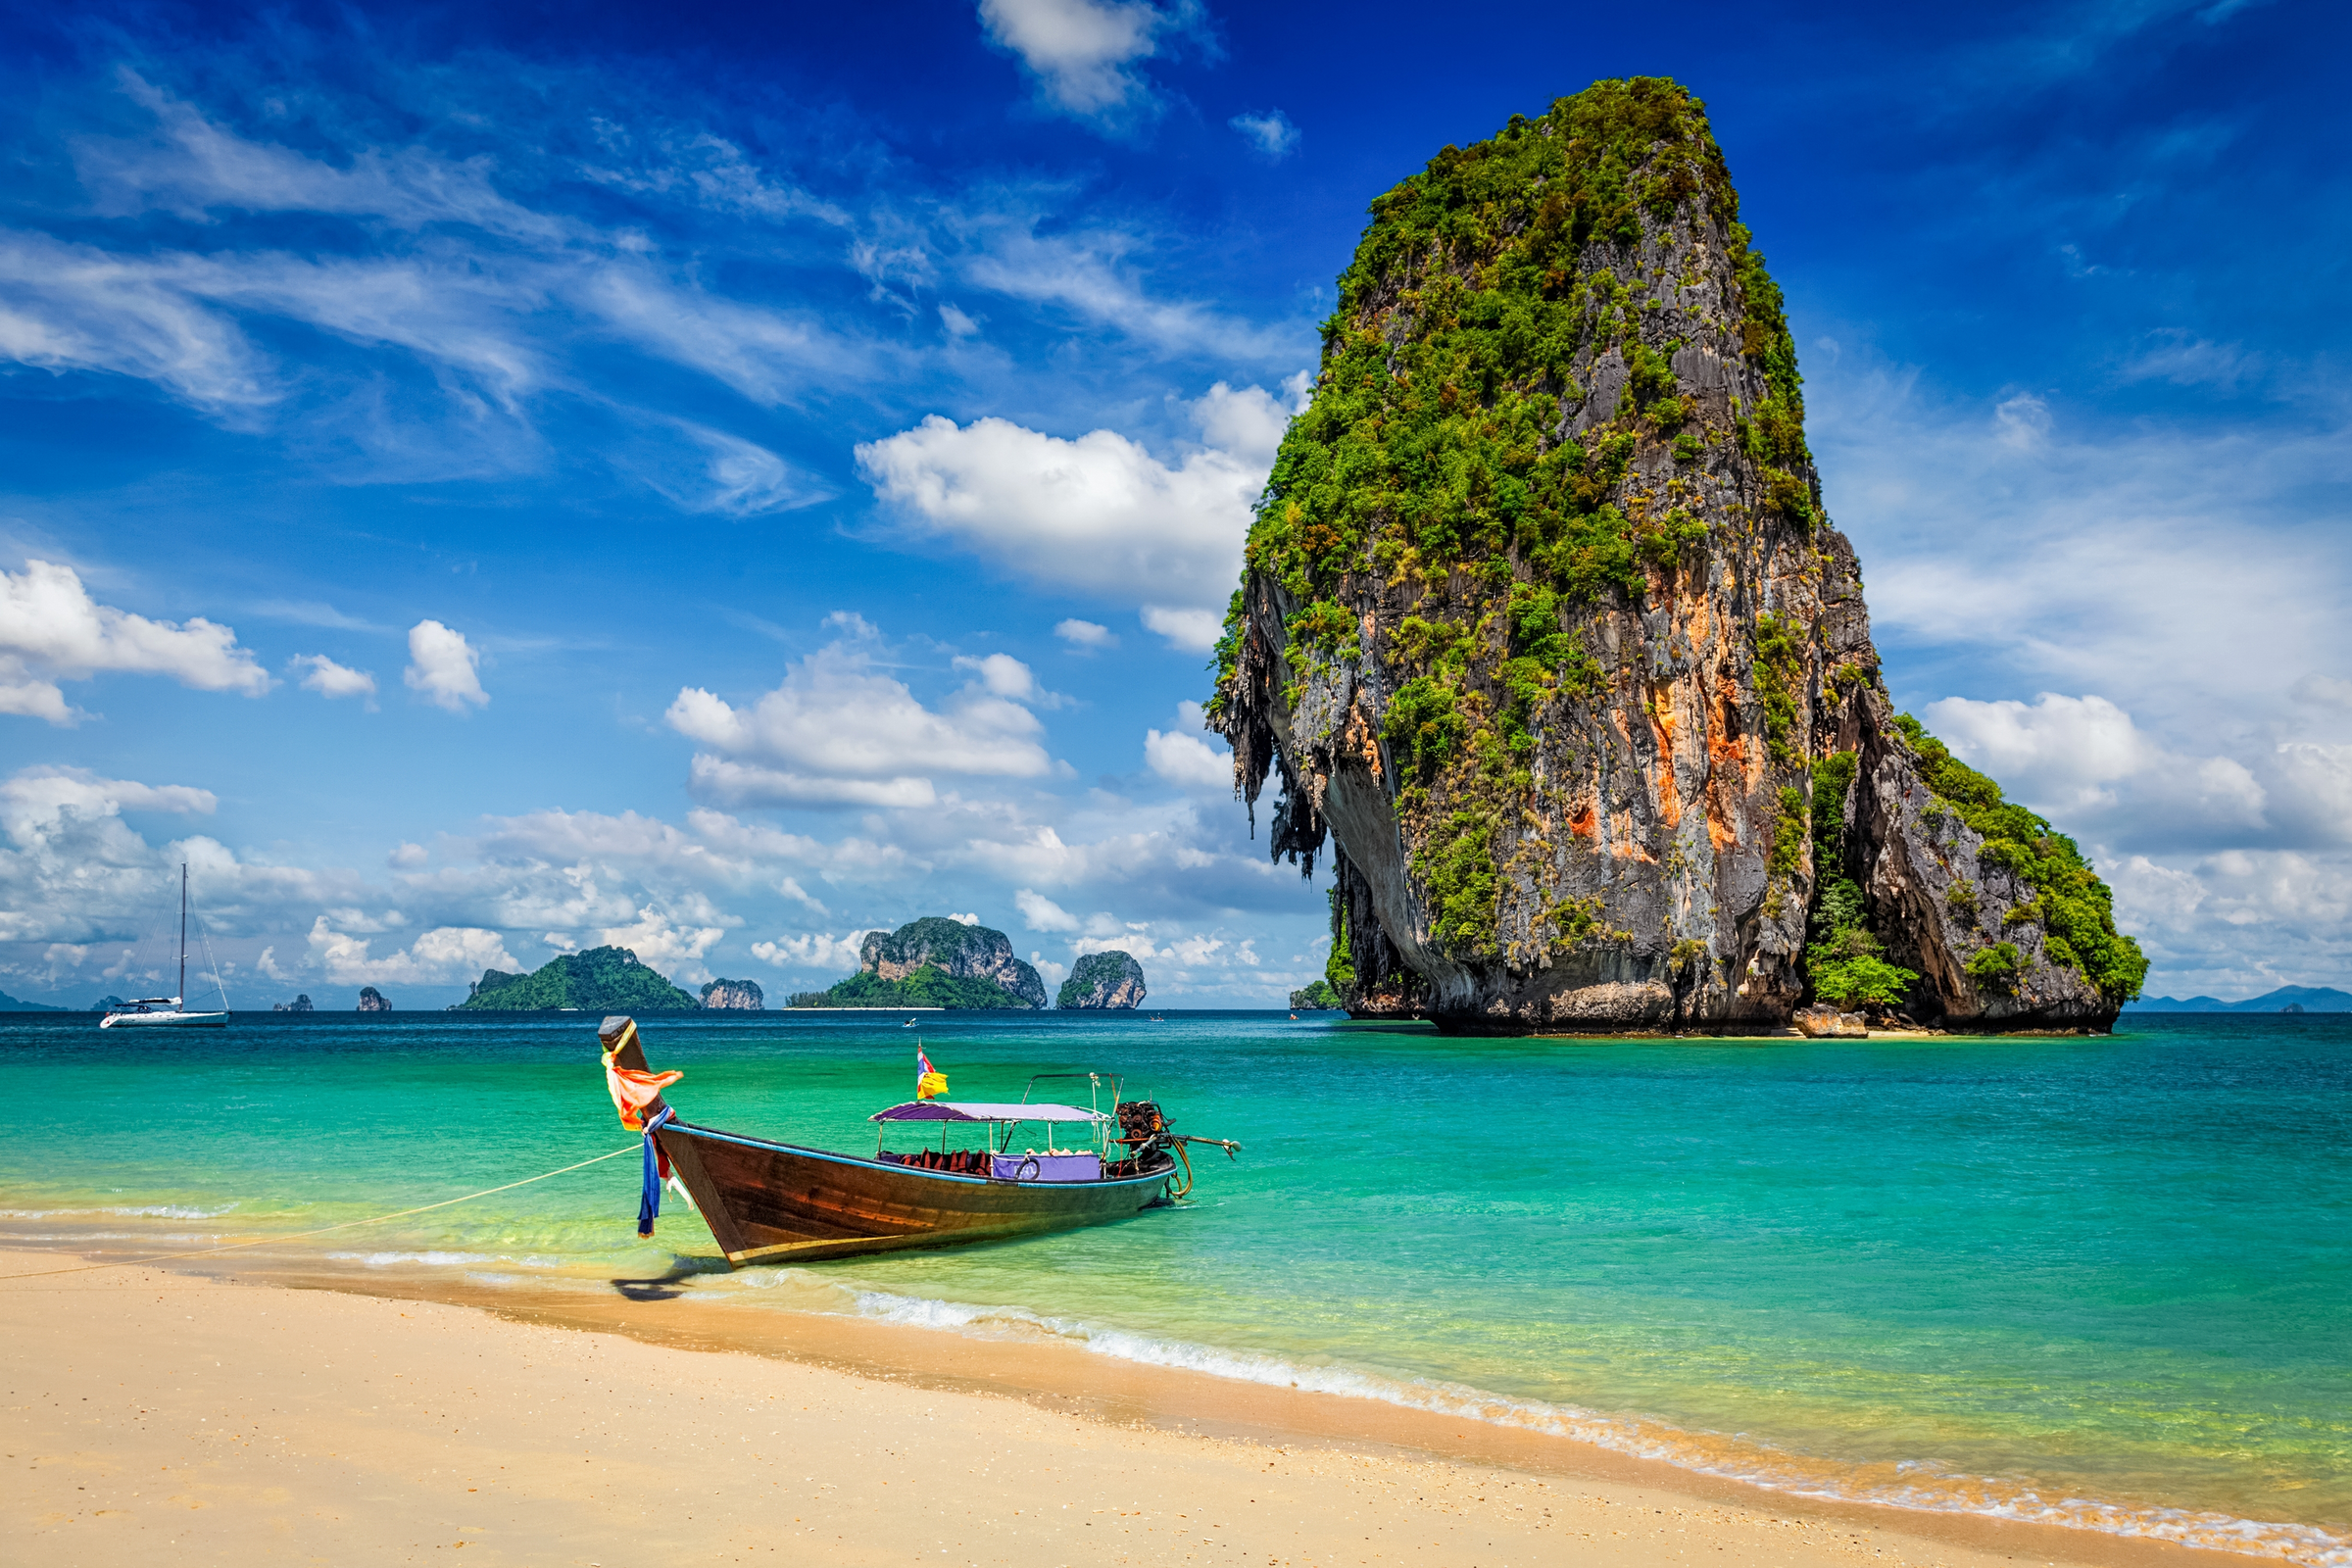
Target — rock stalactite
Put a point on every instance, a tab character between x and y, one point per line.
1543	621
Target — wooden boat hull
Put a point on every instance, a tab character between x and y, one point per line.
768	1202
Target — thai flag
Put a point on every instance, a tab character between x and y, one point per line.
929	1082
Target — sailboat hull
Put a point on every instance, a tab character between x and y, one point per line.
165	1020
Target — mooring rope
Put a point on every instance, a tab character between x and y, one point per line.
376	1219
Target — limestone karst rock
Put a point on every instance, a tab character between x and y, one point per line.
960	950
302	1003
1109	979
598	980
1542	619
742	996
373	1000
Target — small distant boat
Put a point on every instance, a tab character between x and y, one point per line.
770	1203
164	1013
908	1024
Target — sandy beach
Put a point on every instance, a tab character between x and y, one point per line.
158	1416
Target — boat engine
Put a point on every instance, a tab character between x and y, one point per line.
1146	1133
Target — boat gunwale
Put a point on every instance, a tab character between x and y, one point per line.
746	1141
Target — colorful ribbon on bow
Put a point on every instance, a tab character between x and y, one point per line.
657	1171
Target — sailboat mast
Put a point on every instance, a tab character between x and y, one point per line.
182	1000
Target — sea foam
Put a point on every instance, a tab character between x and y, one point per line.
1921	1486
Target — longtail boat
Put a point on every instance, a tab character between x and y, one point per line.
772	1202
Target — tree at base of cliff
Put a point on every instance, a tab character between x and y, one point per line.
1317	998
1542	620
1106	981
599	980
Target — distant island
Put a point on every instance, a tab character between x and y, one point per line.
1109	981
373	1000
2287	999
934	962
741	996
1317	998
9	1004
599	980
300	1004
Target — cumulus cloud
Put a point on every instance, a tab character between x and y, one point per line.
330	679
1270	135
1040	913
444	668
1187	761
1082	53
51	630
814	951
659	941
37	797
1085	634
1099	514
839	731
1004	675
442	956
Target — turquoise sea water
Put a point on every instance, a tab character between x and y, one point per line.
2105	1282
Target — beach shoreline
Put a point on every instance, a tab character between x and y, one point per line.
319	1461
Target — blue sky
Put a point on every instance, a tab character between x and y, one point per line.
481	486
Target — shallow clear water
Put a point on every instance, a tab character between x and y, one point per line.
2106	1282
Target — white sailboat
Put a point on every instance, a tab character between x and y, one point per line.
164	1013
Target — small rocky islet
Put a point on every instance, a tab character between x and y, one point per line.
932	962
1543	627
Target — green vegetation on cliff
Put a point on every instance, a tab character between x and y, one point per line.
929	985
599	980
1433	453
2073	907
1317	994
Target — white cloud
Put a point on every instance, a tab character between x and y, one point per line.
1098	514
1187	761
37	797
1085	634
739	478
2022	422
330	679
840	732
1006	676
51	630
442	667
1081	51
965	919
1271	133
1087	272
1040	913
830	953
1195	630
408	857
662	944
956	323
442	956
1053	974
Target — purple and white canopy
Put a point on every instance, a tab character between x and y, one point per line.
974	1110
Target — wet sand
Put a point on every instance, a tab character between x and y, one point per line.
163	1416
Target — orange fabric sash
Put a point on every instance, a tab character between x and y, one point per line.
632	1088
